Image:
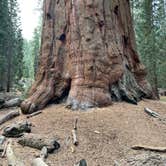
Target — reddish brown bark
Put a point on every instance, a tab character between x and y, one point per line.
88	56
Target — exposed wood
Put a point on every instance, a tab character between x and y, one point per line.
72	149
74	133
17	129
75	124
2	139
97	132
38	162
150	148
43	153
75	141
151	113
4	149
12	159
34	114
9	116
38	141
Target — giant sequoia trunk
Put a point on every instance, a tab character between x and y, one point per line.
88	56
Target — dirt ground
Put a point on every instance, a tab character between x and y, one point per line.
105	135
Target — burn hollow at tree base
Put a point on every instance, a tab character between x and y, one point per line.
88	56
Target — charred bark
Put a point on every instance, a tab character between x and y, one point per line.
88	56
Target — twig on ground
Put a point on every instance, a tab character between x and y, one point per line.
4	150
74	133
150	148
34	114
151	113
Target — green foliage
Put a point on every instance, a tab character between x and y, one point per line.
11	44
18	57
150	26
31	53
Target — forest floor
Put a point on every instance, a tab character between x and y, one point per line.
105	135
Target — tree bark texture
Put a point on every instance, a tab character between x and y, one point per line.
88	56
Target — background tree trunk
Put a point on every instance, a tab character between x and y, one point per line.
88	56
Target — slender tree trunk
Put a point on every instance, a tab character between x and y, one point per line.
151	39
9	56
87	56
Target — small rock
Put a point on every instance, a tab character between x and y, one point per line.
81	163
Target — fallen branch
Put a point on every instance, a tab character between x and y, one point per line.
11	157
12	103
151	113
34	114
4	149
150	148
38	142
9	116
74	133
2	139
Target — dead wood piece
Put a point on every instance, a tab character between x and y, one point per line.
150	148
43	153
4	149
81	163
12	159
38	141
75	141
74	133
9	116
38	162
2	139
12	103
17	129
151	113
34	114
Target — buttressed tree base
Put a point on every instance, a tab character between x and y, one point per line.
88	56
